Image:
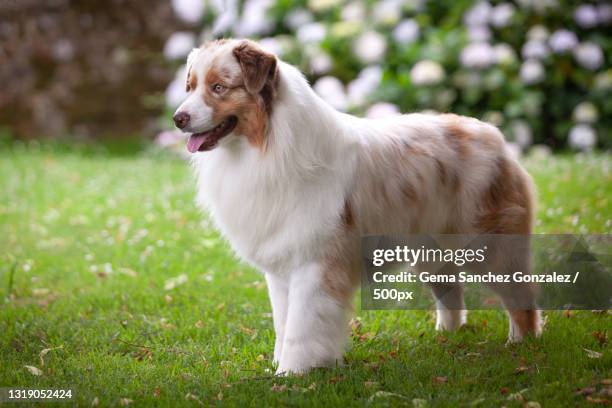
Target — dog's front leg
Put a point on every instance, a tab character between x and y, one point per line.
316	328
278	289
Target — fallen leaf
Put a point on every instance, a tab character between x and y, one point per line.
601	336
44	352
192	397
156	392
370	384
585	391
533	404
278	388
34	370
129	272
598	400
168	299
386	394
593	354
124	402
176	281
440	380
335	380
199	324
419	403
521	369
40	292
95	402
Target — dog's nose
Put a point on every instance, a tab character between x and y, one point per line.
181	119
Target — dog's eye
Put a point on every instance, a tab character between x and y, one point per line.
218	88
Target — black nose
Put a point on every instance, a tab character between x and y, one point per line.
181	119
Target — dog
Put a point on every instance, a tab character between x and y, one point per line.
293	184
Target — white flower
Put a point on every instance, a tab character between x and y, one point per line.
537	33
382	110
354	11
502	15
370	47
535	49
320	63
479	33
426	72
603	81
496	118
271	45
478	15
223	23
387	11
297	18
176	93
190	11
366	82
179	45
322	5
589	55
332	91
532	72
586	16
477	55
311	33
562	41
254	20
504	54
406	32
521	133
582	137
585	112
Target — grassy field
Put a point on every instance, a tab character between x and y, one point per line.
114	285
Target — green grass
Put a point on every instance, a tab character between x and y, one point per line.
88	240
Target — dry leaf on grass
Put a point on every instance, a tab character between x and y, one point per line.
593	354
176	281
440	380
44	352
95	402
124	402
34	370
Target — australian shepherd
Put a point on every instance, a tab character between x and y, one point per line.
293	184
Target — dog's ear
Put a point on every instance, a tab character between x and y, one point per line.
258	66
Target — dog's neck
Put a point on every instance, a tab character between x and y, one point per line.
303	128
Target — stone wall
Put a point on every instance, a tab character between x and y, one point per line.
83	68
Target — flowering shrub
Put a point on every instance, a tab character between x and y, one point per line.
540	69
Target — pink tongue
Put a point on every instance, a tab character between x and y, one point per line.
195	142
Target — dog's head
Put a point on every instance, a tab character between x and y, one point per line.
232	86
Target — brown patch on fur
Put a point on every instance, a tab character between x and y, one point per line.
192	81
347	215
341	265
237	101
458	138
507	204
526	320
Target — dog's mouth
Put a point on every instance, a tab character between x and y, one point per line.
203	141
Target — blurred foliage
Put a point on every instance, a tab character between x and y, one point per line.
535	87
